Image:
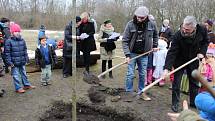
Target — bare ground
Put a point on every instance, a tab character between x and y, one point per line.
34	104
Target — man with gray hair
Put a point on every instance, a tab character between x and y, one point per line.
189	42
140	36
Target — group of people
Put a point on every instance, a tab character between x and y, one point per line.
170	51
190	41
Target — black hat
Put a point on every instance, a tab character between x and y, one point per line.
42	26
4	20
107	21
78	18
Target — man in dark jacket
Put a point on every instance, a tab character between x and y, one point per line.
190	41
140	36
67	51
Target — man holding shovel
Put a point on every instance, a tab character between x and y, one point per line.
140	36
190	41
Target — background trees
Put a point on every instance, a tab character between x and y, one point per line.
55	14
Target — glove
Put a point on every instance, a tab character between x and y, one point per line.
84	36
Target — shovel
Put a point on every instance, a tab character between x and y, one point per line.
158	80
92	79
118	65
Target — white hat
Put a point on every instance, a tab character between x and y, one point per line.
166	22
142	11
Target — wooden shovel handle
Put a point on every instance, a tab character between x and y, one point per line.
203	81
158	80
118	65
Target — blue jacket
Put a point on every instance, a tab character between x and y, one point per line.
206	104
40	59
15	50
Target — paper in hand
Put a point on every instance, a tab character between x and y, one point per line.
114	35
84	35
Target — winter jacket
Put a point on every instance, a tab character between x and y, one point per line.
15	50
129	37
205	102
105	55
88	44
168	34
184	49
159	58
5	31
40	59
67	47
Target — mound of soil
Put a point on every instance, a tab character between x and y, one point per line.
61	111
91	79
95	95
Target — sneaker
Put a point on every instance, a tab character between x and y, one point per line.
65	76
21	90
161	84
111	76
2	92
48	83
145	97
29	87
103	76
44	84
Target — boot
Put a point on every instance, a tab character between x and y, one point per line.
103	67
2	91
111	75
110	66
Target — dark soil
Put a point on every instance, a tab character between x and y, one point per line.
86	112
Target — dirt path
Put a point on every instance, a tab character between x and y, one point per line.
31	105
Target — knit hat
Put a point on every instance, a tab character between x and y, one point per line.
209	22
142	11
78	18
4	20
42	37
107	21
42	27
15	28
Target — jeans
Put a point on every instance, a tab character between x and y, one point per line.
46	74
142	66
19	77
